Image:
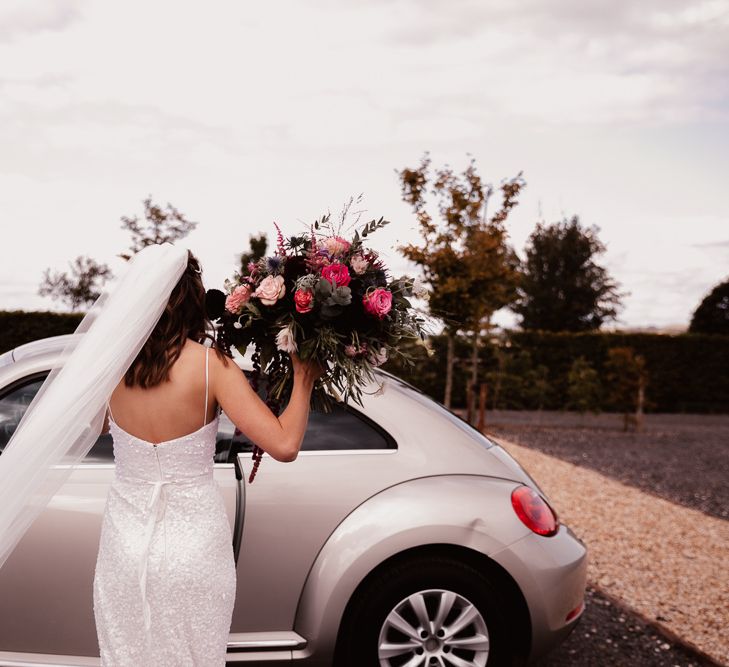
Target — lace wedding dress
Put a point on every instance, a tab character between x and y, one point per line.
165	579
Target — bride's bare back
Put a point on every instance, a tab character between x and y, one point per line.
170	409
176	408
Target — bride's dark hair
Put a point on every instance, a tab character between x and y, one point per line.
185	316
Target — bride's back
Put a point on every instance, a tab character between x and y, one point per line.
169	409
162	394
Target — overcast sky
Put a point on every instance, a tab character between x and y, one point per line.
243	113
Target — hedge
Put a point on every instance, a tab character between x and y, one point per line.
19	326
686	372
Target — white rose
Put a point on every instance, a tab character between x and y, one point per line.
359	264
270	290
285	340
419	289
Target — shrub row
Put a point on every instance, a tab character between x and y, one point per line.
528	370
686	372
19	326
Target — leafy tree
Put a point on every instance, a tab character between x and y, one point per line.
627	378
517	383
470	269
583	387
258	246
79	287
712	314
562	287
159	226
82	286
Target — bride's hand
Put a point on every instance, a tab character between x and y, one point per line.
310	369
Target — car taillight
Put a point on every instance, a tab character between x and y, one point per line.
534	511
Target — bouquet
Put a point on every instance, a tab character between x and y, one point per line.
324	297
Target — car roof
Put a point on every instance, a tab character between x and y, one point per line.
57	344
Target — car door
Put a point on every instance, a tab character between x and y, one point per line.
46	585
293	507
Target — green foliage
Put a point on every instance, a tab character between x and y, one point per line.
18	327
712	314
81	287
625	373
562	287
258	246
584	390
684	369
159	226
517	382
465	258
369	228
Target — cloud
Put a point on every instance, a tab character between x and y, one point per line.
712	244
24	17
569	61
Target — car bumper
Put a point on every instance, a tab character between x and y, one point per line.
551	573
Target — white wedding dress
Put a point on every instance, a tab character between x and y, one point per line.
165	578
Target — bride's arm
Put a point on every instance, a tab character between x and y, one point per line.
280	436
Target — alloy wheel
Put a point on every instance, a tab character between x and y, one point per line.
434	628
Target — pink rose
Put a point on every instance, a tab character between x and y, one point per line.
336	245
270	290
336	272
303	299
237	298
377	302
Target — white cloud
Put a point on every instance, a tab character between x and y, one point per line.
242	113
22	17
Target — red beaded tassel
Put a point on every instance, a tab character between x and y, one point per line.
257	454
273	404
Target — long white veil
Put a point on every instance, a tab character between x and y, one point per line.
66	416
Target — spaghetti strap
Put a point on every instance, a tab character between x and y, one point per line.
111	414
205	414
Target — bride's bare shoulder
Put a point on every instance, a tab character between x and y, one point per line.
221	360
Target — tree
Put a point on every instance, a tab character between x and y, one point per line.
562	287
464	258
81	287
258	246
583	387
627	378
712	314
518	383
159	226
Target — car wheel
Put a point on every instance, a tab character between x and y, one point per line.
427	612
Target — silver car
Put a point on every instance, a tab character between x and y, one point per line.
399	536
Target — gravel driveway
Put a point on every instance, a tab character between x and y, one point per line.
610	636
682	458
665	561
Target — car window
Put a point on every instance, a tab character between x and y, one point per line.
15	401
13	405
345	428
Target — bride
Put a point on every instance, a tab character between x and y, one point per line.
164	582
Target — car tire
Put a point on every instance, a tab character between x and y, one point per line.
360	633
